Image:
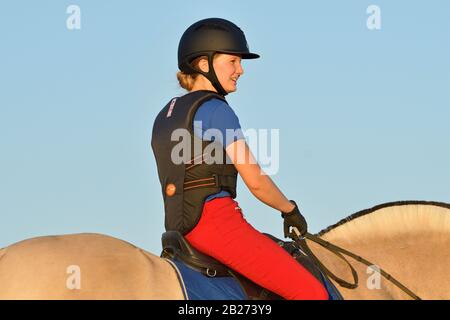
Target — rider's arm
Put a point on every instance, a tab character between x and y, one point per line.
259	184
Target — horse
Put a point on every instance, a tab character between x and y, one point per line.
409	239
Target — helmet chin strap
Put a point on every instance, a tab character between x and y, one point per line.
210	75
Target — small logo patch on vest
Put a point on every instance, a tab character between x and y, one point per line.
170	189
172	104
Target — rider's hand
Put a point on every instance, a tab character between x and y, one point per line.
294	219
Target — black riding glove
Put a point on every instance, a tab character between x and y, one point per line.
294	219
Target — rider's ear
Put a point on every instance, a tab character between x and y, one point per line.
203	64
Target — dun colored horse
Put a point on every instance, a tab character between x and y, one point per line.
409	240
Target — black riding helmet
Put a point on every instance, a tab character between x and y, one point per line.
208	37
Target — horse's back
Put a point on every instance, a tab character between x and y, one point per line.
84	266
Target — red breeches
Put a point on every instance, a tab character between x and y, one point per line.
224	234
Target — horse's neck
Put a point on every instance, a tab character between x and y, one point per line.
416	260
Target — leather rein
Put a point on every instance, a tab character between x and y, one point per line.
340	252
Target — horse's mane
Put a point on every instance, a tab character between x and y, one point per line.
404	216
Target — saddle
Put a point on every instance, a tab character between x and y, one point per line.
175	246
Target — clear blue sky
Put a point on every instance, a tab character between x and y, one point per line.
363	114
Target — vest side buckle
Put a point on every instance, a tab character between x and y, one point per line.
216	179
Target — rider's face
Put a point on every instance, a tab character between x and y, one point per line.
228	69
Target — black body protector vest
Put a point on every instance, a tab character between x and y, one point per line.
185	185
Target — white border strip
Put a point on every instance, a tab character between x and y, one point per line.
180	277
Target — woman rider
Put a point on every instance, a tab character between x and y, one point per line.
199	193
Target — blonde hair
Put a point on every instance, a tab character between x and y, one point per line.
187	80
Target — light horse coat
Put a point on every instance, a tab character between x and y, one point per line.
410	240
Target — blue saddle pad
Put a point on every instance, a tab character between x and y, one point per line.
333	292
197	286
